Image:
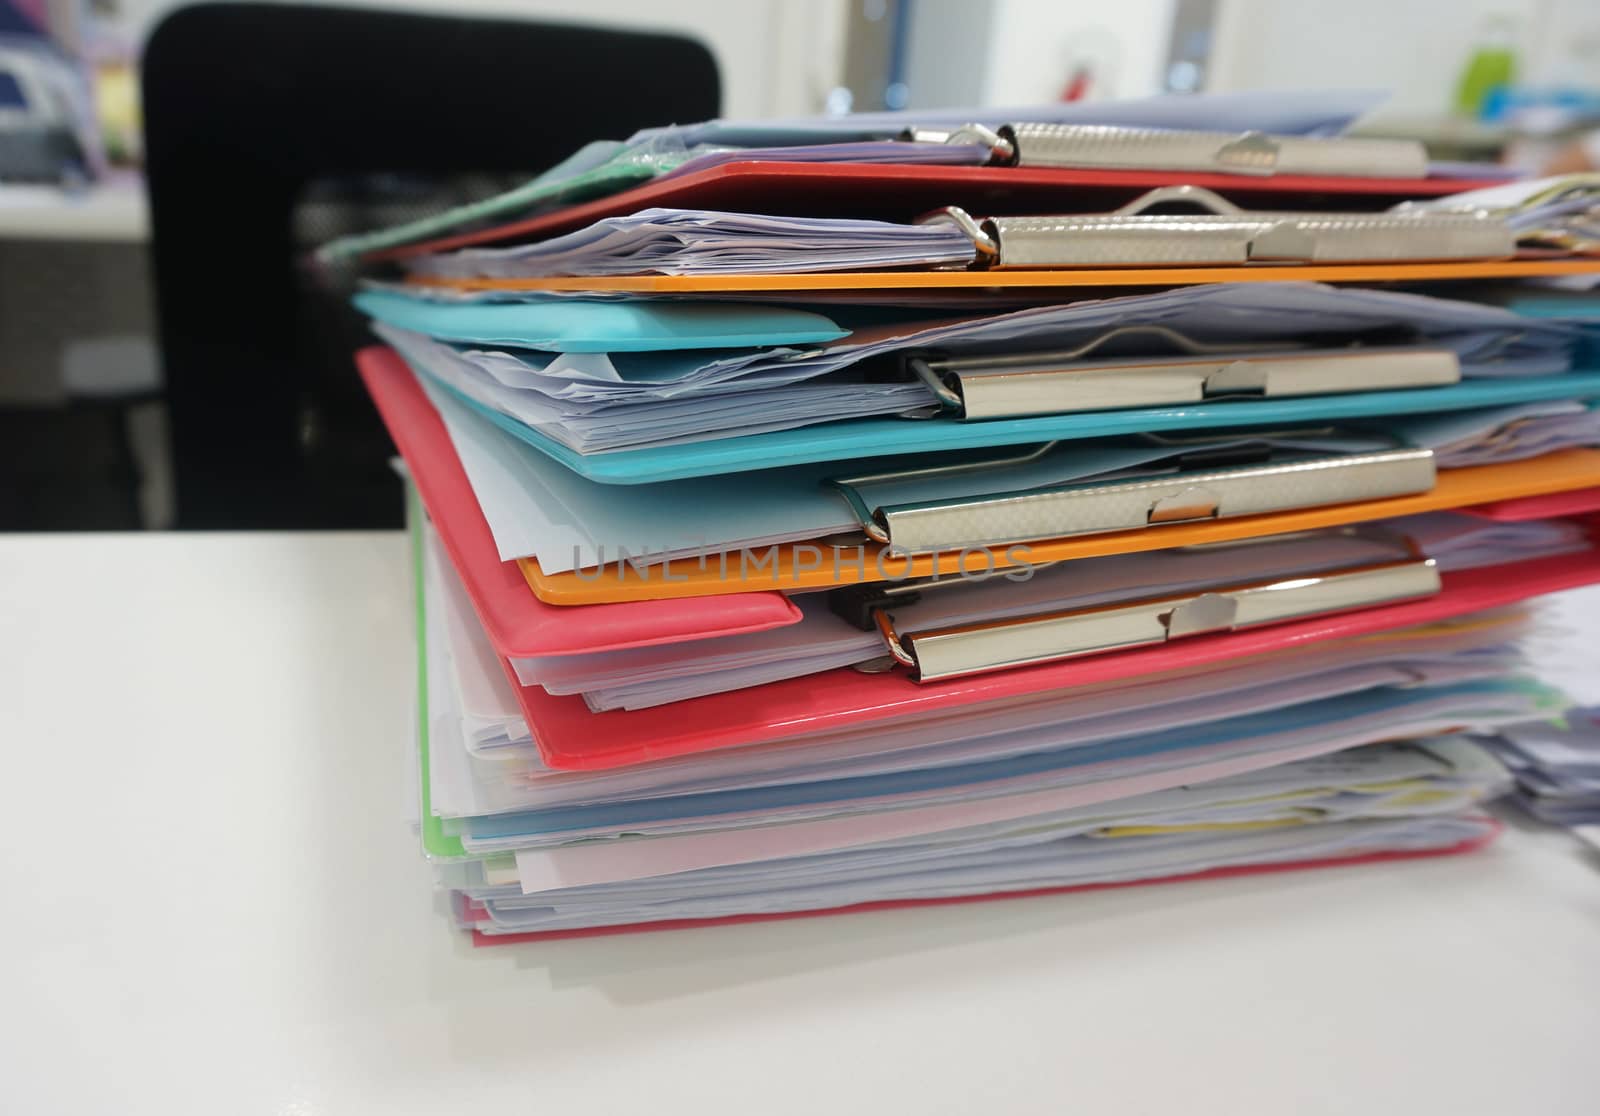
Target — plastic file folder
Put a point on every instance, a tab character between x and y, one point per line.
708	242
1579	502
519	624
860	439
570	737
883	437
797	568
1070	609
849	660
901	193
426	445
1040	280
488	894
604	166
474	914
1058	360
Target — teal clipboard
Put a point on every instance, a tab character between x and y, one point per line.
856	439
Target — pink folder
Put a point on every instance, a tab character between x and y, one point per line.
570	737
519	625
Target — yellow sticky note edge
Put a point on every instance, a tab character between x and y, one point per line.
1198	827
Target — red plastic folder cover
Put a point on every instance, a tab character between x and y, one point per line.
1579	501
570	737
471	912
901	193
518	623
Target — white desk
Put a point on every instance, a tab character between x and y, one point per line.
214	906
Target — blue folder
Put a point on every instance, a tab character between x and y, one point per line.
878	437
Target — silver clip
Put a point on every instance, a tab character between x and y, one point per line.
1016	385
981	237
1002	150
1223	234
1248	153
1142	500
957	650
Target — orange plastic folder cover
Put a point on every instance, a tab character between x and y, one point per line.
804	566
1110	276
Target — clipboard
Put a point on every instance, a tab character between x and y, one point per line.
1548	506
932	653
1017	385
899	193
1209	231
1114	146
570	737
473	914
519	626
798	568
500	590
517	623
1221	233
863	438
1203	490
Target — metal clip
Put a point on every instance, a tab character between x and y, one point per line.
1247	153
1057	382
954	651
1222	233
1002	150
1144	499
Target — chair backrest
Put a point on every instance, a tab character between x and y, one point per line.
245	104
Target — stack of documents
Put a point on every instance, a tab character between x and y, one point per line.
816	556
1560	213
1556	766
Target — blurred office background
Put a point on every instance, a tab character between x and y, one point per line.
85	402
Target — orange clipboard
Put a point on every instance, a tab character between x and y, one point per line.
798	567
1028	278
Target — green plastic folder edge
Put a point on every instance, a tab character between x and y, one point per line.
434	839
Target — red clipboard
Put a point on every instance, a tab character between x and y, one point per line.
900	192
570	737
519	625
1551	505
471	912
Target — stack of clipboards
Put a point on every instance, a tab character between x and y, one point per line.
1118	518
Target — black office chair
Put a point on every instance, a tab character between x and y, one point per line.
246	105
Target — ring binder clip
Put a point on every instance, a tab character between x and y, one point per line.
1255	154
1002	149
1552	213
1222	233
1142	500
1016	385
955	650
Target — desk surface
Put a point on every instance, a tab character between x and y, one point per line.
214	905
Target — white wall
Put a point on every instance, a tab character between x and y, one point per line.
1034	44
1415	48
777	57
